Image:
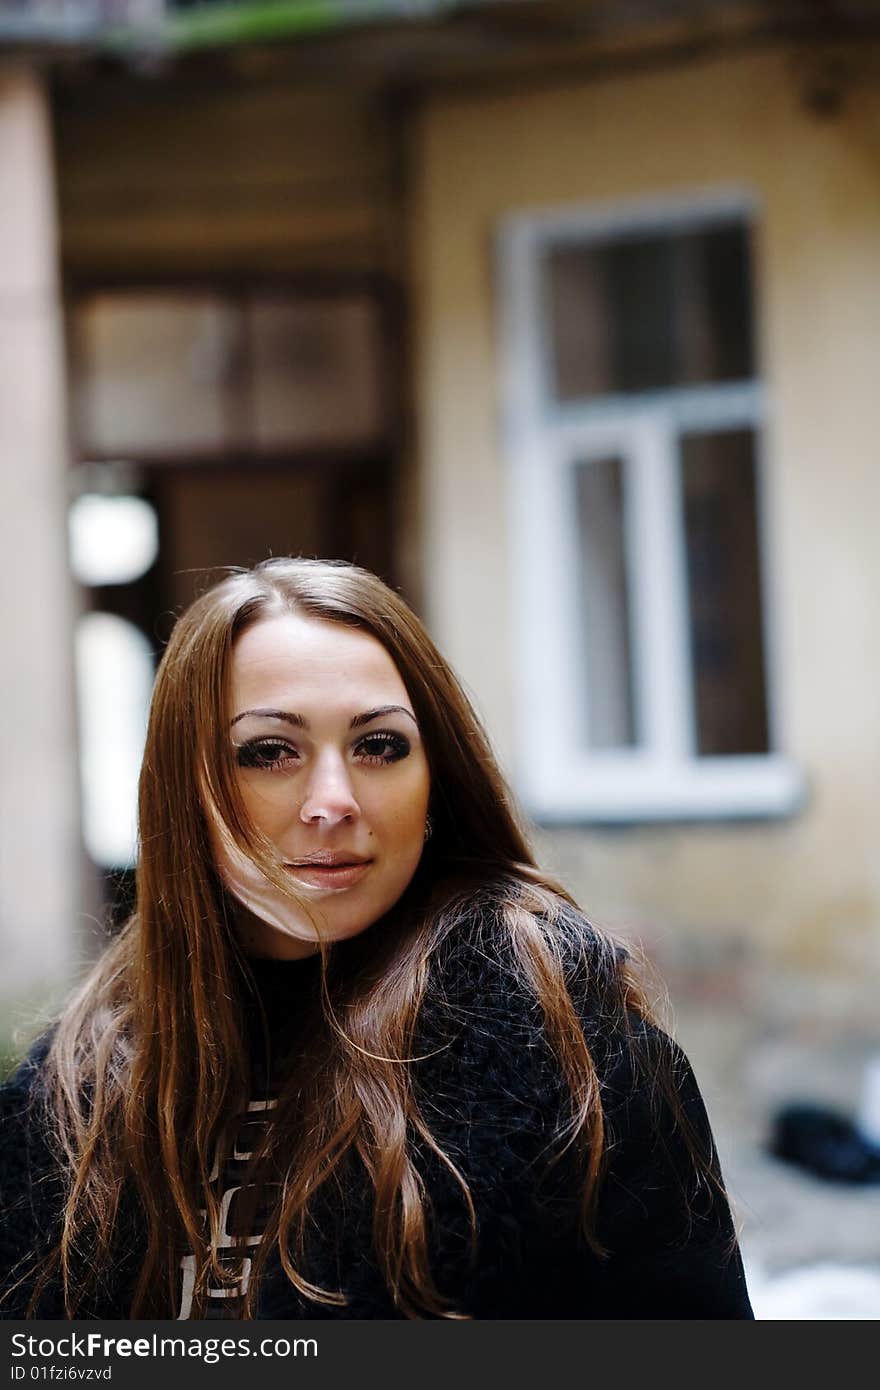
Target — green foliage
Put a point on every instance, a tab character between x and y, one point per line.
249	21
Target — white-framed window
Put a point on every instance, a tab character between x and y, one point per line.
634	421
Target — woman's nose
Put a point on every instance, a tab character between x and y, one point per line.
329	796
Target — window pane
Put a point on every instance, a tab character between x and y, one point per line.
724	592
316	372
156	372
650	311
605	604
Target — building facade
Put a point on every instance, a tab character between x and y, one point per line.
582	354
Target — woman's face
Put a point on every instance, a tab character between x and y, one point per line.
331	769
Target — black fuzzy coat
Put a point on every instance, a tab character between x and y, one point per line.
492	1095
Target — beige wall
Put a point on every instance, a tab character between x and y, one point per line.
801	894
41	903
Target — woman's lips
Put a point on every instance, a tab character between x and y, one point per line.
330	877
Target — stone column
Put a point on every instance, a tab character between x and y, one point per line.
40	857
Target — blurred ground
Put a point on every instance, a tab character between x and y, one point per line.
811	1247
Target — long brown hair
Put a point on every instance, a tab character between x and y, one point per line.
149	1063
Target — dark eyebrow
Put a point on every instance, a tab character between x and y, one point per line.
361	719
295	719
299	723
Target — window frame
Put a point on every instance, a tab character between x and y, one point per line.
662	778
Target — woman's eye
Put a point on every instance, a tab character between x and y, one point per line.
382	748
266	752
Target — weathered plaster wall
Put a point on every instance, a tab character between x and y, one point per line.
40	901
802	894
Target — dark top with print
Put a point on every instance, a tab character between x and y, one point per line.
490	1090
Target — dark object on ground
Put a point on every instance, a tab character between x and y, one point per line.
824	1142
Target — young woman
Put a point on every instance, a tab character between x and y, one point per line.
354	1055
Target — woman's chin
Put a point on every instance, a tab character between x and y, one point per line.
274	941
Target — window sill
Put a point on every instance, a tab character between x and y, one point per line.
619	789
